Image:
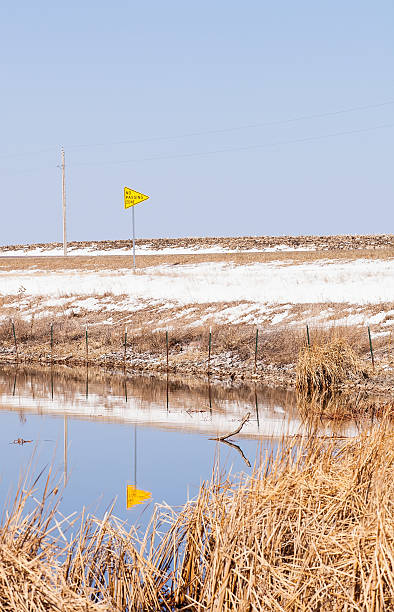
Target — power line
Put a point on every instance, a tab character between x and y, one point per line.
243	148
210	132
237	128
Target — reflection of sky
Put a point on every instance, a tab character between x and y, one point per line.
170	464
173	451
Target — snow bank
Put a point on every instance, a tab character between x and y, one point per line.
356	282
142	250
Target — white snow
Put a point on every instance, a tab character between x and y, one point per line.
279	317
141	250
356	282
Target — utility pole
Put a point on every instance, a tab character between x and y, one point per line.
63	166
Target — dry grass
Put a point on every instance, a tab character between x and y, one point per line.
115	262
341	407
276	345
311	529
322	367
232	355
30	579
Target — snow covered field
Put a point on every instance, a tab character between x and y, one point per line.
357	282
213	291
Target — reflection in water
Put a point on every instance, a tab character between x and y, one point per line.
135	455
135	496
167	394
83	417
256	405
65	448
237	448
141	399
14	387
87	381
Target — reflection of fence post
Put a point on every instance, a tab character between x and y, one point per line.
15	341
125	347
370	347
255	350
167	348
209	350
51	341
87	344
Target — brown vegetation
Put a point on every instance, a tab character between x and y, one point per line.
111	262
311	529
323	367
275	345
338	355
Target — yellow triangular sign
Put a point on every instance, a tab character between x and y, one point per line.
135	496
131	197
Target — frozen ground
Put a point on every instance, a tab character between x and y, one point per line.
351	292
359	281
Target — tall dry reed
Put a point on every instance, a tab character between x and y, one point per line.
311	529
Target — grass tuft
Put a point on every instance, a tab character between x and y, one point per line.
324	367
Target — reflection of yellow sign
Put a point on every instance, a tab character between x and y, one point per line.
131	197
136	496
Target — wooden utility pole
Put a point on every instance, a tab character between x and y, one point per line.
64	204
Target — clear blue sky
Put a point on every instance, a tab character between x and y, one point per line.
190	102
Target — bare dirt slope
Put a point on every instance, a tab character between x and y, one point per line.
241	243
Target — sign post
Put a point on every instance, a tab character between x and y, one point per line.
135	496
131	198
133	217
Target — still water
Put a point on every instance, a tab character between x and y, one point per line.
102	432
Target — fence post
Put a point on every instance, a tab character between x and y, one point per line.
255	350
15	341
209	350
125	347
87	344
307	335
370	347
167	349
51	341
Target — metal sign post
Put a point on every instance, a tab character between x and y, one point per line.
133	217
131	198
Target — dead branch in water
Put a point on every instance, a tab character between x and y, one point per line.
233	433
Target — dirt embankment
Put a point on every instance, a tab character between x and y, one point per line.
325	243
